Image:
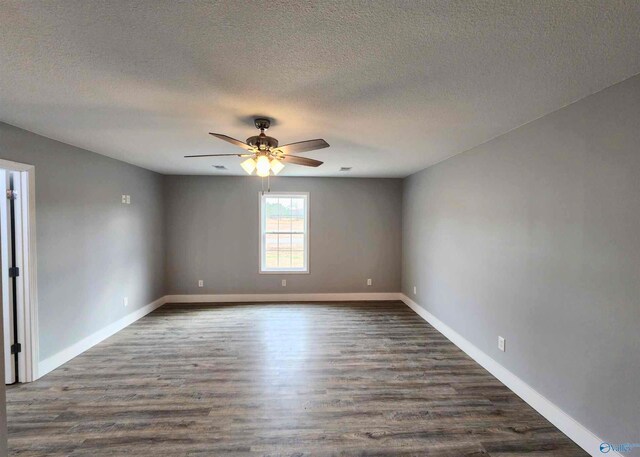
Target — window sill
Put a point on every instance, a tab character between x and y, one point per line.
283	272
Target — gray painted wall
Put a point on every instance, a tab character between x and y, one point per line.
213	234
535	236
92	250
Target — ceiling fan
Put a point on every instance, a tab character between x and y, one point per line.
264	154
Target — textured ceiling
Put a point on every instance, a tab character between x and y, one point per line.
392	86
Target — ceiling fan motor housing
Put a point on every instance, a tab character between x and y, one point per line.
262	142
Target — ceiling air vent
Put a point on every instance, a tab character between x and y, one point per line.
219	167
345	168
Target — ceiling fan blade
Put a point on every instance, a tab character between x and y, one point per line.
303	146
218	155
302	161
233	141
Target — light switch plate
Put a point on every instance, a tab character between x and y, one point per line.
501	343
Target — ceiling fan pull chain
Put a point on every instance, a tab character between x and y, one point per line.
269	183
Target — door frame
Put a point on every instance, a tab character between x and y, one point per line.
27	316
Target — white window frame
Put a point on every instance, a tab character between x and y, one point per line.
262	198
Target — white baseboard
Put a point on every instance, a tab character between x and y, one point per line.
51	363
244	298
567	424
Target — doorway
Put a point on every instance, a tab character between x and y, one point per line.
17	275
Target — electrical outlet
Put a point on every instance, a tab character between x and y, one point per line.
415	291
501	343
128	199
284	283
124	199
200	283
125	300
369	282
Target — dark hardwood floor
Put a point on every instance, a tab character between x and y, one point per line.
326	379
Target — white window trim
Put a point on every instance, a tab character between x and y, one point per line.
283	271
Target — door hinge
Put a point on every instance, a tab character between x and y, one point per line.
14	272
12	194
16	348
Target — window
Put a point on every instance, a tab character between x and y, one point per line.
284	232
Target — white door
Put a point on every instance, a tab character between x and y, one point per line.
7	295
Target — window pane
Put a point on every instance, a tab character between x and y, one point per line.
284	259
297	259
271	224
284	243
271	259
271	242
297	207
297	215
271	207
285	207
271	251
297	224
297	242
271	214
285	224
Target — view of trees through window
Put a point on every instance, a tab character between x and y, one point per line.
284	232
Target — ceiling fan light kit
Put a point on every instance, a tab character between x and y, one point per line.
248	165
276	166
263	166
264	154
